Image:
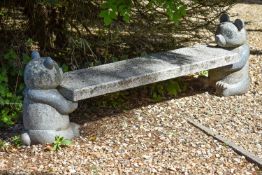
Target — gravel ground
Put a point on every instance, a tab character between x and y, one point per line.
155	138
238	118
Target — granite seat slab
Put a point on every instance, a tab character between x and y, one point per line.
99	80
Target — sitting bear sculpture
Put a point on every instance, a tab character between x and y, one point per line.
45	110
233	79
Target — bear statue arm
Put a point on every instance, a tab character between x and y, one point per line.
54	99
244	55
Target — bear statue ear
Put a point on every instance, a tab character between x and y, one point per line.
35	55
224	18
239	24
49	63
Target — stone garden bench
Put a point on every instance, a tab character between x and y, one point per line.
51	95
99	80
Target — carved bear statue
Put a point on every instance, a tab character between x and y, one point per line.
233	79
45	110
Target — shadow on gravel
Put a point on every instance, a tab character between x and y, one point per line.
252	2
255	52
92	112
92	116
7	133
254	30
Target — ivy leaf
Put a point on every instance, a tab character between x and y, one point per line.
124	11
106	16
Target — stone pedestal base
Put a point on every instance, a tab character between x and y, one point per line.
48	136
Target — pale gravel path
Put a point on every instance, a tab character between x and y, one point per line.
152	139
156	139
239	118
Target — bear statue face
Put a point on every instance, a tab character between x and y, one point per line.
42	73
230	34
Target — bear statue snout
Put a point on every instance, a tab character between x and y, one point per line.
220	40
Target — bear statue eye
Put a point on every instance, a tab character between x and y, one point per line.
49	63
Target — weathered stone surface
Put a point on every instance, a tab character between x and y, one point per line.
45	110
233	79
47	136
99	80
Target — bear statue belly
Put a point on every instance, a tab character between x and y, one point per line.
36	114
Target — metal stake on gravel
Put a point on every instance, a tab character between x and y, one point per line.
250	156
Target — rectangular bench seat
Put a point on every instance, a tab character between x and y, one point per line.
99	80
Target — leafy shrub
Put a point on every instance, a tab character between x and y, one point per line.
115	100
132	27
172	88
11	87
112	9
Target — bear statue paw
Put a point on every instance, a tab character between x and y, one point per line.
26	139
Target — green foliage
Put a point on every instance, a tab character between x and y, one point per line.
8	117
203	73
175	9
29	42
11	87
115	100
3	144
2	13
95	32
16	140
65	68
60	142
112	9
172	88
